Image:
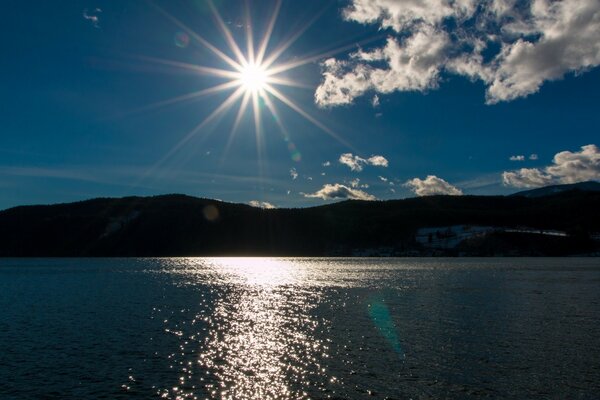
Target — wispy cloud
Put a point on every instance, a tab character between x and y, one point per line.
355	183
481	181
566	167
375	101
356	163
261	204
339	191
108	176
517	158
93	16
293	173
432	185
537	41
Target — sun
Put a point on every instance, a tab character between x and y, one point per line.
253	78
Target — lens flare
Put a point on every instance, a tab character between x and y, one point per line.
182	40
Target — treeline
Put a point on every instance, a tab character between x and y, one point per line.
178	225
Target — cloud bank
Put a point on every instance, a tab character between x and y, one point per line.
339	191
356	163
567	167
512	46
432	185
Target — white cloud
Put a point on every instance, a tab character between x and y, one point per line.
538	41
517	158
571	167
533	156
378	161
356	163
339	191
432	185
261	204
415	65
326	164
567	167
293	173
526	177
402	15
383	179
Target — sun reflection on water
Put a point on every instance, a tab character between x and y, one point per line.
258	271
260	342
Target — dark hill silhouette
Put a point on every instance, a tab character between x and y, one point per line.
588	186
178	225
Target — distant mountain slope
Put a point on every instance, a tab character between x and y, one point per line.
589	186
178	225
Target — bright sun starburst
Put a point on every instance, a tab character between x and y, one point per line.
253	76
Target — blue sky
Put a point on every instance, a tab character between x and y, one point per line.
395	100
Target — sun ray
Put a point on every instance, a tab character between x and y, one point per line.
225	105
274	56
222	73
249	34
236	124
287	82
277	117
256	109
228	37
179	99
312	58
241	111
200	39
306	115
267	36
258	133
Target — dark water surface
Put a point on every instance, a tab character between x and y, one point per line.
265	328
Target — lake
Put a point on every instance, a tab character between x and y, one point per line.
299	328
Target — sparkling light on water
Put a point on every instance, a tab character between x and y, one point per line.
260	342
299	328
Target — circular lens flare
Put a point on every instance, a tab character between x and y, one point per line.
253	77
